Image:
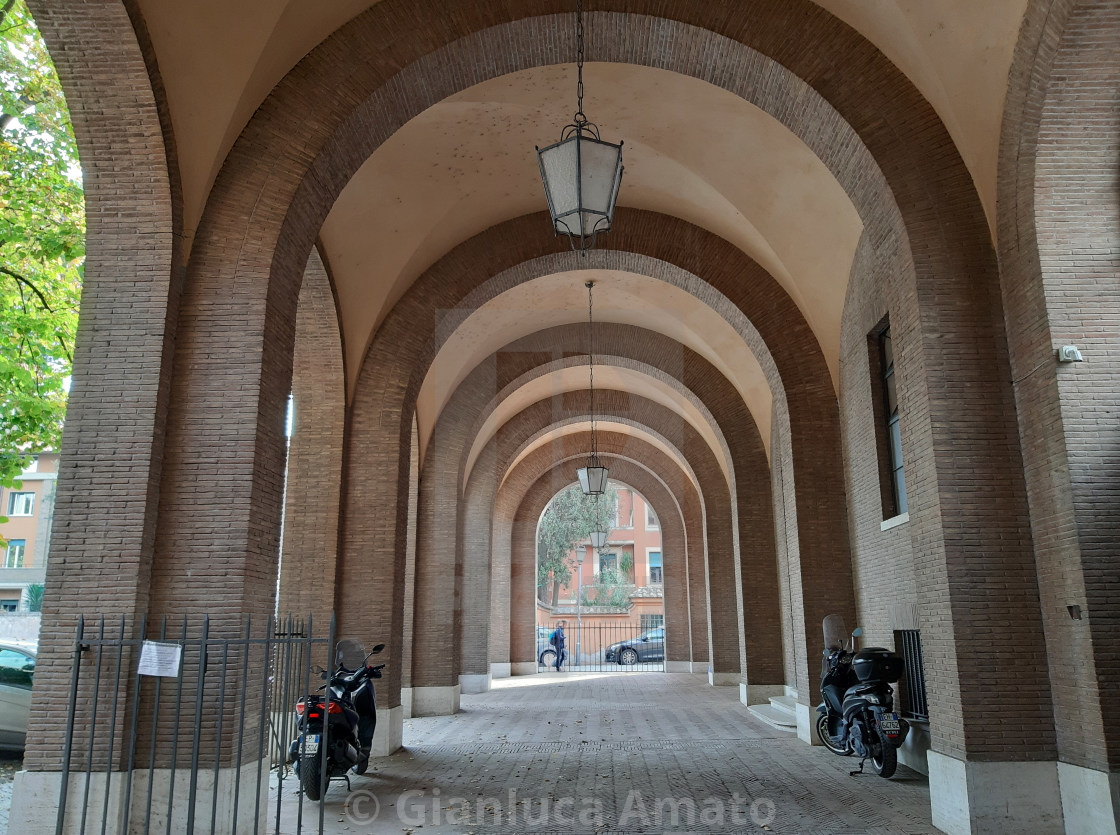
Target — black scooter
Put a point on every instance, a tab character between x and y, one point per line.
336	734
857	715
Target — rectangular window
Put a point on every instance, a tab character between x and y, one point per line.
651	518
608	562
888	430
652	622
13	556
20	504
9	606
655	575
912	688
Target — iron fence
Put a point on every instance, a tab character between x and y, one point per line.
599	647
186	727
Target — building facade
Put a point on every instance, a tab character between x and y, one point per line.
29	508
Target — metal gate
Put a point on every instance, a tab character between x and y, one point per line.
621	647
186	727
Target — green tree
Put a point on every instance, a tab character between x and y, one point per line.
35	597
569	518
42	243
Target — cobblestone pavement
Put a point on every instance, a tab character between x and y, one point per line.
612	753
9	765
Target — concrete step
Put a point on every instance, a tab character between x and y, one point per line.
785	704
775	718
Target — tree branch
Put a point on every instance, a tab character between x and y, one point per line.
19	278
7	8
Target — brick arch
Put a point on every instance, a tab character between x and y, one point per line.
734	651
1059	229
624	467
282	187
642	464
110	457
669	250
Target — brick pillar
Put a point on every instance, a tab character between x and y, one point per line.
108	489
475	541
309	549
444	603
1059	238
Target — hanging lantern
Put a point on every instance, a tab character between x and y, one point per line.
593	477
581	172
598	539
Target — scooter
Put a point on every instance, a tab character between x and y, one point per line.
335	734
857	715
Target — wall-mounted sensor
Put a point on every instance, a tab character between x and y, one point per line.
1069	353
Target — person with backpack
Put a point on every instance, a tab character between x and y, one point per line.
557	641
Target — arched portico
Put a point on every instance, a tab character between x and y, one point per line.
441	438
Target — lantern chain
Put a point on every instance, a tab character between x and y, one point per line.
591	365
580	118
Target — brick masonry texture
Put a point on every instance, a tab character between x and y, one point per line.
1059	232
533	356
1010	516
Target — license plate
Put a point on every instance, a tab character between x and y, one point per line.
311	744
889	723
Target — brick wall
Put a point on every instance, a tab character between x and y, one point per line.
1059	228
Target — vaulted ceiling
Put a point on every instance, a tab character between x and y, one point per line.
692	150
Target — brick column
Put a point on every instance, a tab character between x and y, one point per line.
309	549
112	448
1059	234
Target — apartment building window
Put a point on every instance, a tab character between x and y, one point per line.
889	432
651	518
20	504
649	622
655	575
9	605
912	688
608	562
13	556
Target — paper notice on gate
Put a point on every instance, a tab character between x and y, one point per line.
160	659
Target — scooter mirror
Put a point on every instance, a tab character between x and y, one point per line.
857	631
377	649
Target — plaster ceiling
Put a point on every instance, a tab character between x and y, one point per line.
553	436
561	299
218	61
692	150
607	378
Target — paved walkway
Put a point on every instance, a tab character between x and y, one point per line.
610	753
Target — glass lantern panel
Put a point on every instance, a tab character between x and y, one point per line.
598	164
559	165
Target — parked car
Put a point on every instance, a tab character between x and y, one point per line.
17	670
546	653
649	646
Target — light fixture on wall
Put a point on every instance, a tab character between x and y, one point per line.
593	477
581	172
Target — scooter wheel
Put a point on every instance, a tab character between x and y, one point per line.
826	738
887	761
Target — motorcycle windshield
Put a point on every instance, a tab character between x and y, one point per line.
835	632
349	653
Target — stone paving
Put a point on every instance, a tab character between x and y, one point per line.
612	753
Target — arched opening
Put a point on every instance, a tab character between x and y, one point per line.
601	583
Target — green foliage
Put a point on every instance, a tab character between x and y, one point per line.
569	518
42	244
626	566
613	589
35	597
